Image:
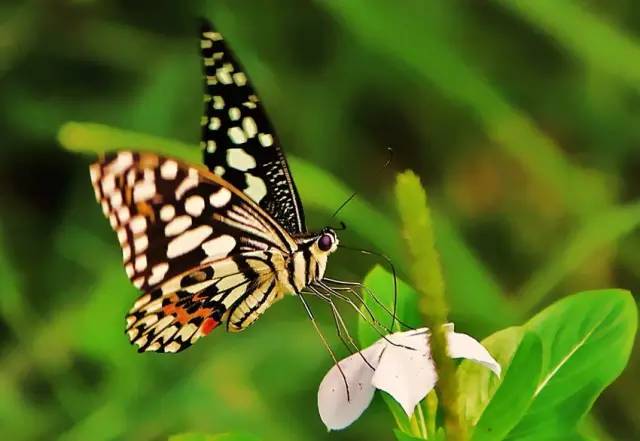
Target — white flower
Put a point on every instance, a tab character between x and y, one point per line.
400	365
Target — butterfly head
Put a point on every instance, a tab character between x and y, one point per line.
327	241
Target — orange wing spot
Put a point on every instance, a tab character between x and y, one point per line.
209	325
146	210
182	316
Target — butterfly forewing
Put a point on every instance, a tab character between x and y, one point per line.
171	218
238	140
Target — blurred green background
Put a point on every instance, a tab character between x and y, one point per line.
520	117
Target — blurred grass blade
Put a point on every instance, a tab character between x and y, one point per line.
99	138
605	47
12	304
407	35
601	230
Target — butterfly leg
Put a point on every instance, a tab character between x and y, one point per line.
324	342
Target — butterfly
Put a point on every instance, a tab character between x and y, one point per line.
215	245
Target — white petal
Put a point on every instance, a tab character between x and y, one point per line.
336	411
464	346
407	373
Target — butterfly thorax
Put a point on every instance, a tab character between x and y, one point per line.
309	262
294	271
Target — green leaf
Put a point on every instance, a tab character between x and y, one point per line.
401	436
514	394
556	366
220	437
478	384
604	228
380	283
586	340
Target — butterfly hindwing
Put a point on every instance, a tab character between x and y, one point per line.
171	217
188	307
239	141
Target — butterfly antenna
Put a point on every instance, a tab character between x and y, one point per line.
355	193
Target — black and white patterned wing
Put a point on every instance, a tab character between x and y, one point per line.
171	217
238	140
235	290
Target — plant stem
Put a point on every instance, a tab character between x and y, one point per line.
426	274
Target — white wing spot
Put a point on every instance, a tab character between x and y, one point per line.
138	282
215	36
174	346
122	236
211	146
140	243
194	205
240	160
167	212
141	263
220	198
240	78
169	169
157	273
188	241
178	225
237	135
234	114
105	207
126	252
123	214
188	182
143	191
218	102
141	302
256	189
214	123
94	171
220	246
116	200
219	170
224	74
129	269
265	139
123	161
187	331
138	224
108	184
249	126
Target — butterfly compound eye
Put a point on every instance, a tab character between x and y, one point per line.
325	242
